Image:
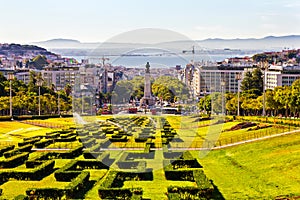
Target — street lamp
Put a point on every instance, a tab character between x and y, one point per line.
204	92
39	84
223	93
238	77
264	67
10	78
58	101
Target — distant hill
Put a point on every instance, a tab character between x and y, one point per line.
20	50
77	48
59	43
266	43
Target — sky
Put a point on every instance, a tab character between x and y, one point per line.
98	20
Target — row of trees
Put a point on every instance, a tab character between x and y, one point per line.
166	88
283	100
25	97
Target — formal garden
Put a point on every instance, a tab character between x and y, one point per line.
149	157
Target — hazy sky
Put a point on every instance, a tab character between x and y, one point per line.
24	21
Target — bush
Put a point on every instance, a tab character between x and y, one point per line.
141	165
72	153
45	193
26	142
5	118
78	183
114	193
44	143
26	148
68	139
52	135
14	160
5	149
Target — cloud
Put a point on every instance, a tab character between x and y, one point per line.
208	28
292	5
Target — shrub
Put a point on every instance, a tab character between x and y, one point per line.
14	160
77	184
26	148
43	143
72	153
26	142
5	149
68	139
45	193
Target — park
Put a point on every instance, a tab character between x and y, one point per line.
149	157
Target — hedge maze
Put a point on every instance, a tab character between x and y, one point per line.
124	150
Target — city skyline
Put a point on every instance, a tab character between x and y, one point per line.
98	21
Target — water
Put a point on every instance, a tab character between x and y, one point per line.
156	61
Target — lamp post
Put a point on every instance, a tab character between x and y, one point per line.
264	67
223	87
39	84
204	104
238	77
58	101
10	78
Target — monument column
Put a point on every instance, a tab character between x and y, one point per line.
148	99
147	88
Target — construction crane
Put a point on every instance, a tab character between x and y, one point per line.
192	51
103	60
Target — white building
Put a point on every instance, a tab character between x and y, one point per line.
207	79
281	76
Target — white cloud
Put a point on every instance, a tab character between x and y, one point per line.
208	28
292	5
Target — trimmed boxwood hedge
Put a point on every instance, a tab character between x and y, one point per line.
77	183
43	143
14	161
5	149
37	173
26	142
52	135
26	148
178	164
111	186
68	139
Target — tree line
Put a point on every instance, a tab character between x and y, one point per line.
282	101
25	97
165	88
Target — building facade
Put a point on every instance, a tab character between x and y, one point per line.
208	79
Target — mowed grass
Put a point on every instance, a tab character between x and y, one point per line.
195	134
14	132
260	170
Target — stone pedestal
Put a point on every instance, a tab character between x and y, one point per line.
148	99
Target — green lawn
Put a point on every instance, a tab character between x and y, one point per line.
260	170
14	132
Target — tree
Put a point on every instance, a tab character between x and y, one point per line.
257	81
2	84
247	81
253	82
68	89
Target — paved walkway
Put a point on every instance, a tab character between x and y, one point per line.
256	139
